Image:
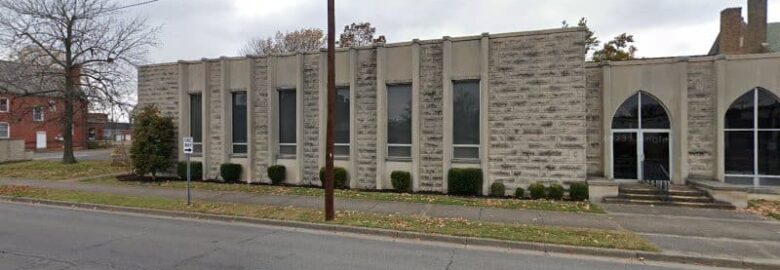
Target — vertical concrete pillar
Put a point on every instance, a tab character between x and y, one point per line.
250	126
446	77
415	115
206	121
606	120
273	110
227	113
299	92
184	107
323	108
381	115
484	96
353	142
721	107
681	132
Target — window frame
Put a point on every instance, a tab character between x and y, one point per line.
7	104
279	142
478	145
8	130
756	176
41	114
233	126
197	146
389	145
336	119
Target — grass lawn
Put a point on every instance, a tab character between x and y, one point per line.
564	206
766	208
446	226
55	170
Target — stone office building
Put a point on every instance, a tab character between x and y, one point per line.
524	107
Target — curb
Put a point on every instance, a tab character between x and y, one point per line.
470	241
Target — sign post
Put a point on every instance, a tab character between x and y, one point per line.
188	144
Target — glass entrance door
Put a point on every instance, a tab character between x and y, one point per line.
655	162
626	159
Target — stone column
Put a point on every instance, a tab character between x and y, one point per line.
273	110
250	127
323	102
205	116
681	134
415	115
299	138
606	120
446	77
721	107
184	107
484	96
353	142
381	115
227	112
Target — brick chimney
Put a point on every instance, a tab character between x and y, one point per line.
730	39
755	36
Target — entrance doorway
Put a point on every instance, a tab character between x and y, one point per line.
40	140
641	148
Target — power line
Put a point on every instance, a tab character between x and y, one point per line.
135	5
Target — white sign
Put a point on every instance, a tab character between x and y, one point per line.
188	144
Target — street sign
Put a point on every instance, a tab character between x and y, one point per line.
188	145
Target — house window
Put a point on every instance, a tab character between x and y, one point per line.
4	105
5	131
399	121
196	122
752	140
287	122
239	123
341	140
465	113
38	114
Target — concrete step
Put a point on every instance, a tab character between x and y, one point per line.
672	191
657	197
712	205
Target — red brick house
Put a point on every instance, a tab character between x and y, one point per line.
35	115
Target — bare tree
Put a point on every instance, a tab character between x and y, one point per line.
302	40
359	34
74	51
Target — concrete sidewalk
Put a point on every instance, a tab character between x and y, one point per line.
687	231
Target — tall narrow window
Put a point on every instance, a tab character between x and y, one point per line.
399	121
752	140
38	114
196	122
3	105
239	123
5	131
465	115
287	122
341	131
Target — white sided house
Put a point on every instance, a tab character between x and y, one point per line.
524	107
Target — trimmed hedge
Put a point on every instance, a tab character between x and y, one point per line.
339	177
519	192
462	181
578	191
230	172
537	191
277	174
196	170
497	189
555	192
402	181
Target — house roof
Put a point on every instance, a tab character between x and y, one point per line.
20	79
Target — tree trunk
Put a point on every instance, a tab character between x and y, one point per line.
67	120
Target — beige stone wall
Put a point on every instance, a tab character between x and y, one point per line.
260	112
431	127
702	142
594	76
159	85
13	150
365	119
537	109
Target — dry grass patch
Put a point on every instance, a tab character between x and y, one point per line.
445	226
55	170
765	208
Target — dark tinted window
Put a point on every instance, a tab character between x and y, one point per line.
287	115
399	120
739	152
342	115
239	122
653	114
465	128
741	112
627	115
768	110
769	152
196	118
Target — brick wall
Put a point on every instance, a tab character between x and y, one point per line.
537	120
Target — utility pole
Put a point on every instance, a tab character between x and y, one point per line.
330	213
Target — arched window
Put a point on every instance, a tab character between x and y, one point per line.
752	139
640	139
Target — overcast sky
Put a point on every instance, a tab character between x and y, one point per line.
193	29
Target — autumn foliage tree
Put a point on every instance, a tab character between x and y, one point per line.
618	49
302	40
359	34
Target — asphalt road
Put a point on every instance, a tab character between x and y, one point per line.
42	237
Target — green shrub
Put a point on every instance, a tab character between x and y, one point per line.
555	192
519	192
339	177
402	181
277	173
497	189
578	191
537	191
230	172
196	170
464	181
154	142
